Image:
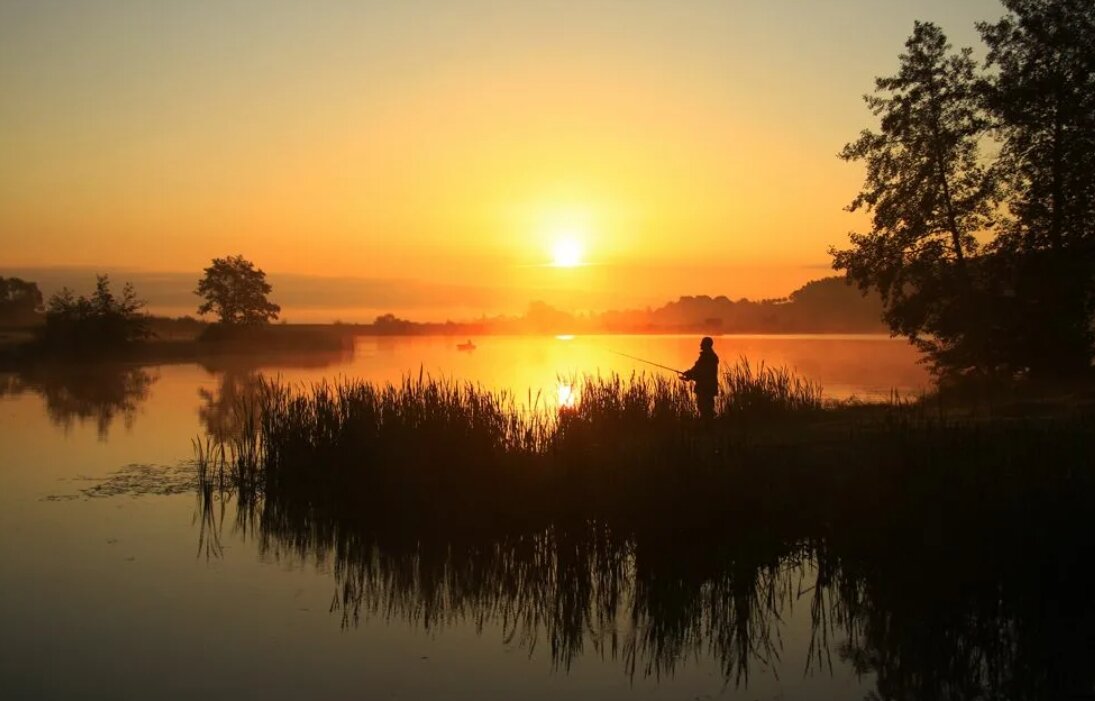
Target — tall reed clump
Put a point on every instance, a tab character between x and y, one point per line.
410	442
626	449
765	392
431	444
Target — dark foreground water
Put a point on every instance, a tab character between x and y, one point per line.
117	582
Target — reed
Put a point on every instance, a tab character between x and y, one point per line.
627	449
765	391
411	442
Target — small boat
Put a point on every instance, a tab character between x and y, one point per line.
468	346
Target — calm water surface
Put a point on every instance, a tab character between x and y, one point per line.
115	587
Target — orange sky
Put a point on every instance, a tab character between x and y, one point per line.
689	146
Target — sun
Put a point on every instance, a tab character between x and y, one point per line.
567	251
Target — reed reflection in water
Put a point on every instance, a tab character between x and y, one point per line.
925	624
649	603
944	560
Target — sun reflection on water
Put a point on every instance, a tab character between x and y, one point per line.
567	395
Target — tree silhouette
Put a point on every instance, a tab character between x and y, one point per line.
20	301
102	321
926	191
1021	303
1042	102
235	290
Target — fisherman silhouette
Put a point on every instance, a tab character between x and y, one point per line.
705	376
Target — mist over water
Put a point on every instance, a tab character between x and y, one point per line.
862	366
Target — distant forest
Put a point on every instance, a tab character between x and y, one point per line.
829	305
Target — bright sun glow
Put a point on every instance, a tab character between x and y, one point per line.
567	252
568	396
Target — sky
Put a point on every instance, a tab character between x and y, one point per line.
594	154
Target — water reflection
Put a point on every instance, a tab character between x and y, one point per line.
844	366
224	410
649	603
977	591
952	624
78	393
566	395
925	629
929	628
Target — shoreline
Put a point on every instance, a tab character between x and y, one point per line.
18	348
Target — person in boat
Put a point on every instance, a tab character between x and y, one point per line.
704	375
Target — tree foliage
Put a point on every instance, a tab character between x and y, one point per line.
926	190
20	301
1041	99
102	321
235	290
986	263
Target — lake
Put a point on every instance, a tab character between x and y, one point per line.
116	584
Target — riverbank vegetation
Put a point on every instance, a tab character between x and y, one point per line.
609	446
107	326
938	548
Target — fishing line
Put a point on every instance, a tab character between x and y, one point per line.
648	362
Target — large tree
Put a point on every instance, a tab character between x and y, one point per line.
928	195
235	290
1041	98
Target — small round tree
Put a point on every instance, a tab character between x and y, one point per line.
235	290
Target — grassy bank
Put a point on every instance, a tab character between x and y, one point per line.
629	448
180	344
943	551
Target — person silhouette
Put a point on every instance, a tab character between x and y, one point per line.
704	375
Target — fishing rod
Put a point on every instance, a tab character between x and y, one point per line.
648	362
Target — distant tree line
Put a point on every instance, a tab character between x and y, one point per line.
237	293
99	322
106	322
20	302
980	183
829	305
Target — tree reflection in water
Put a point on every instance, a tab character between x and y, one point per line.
77	393
225	411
